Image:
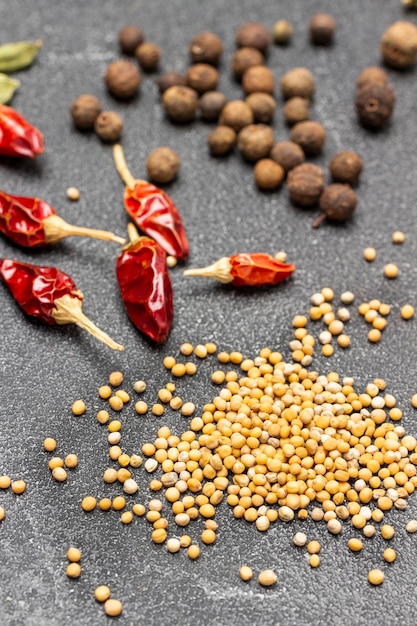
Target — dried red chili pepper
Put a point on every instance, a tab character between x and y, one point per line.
50	295
246	269
152	210
32	222
145	285
17	136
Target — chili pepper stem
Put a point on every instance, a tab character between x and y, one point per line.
121	166
68	310
132	231
220	270
56	229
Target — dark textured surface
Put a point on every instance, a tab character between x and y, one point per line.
44	369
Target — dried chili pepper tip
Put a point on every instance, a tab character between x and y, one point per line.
162	165
123	79
19	137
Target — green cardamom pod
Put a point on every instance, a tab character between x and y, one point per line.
7	88
16	56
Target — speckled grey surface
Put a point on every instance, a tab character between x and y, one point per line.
44	369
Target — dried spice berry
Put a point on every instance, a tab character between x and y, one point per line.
311	136
337	203
130	37
258	78
346	167
211	104
236	114
263	106
322	27
123	79
202	77
287	154
399	45
221	140
148	56
255	141
375	104
268	174
84	111
109	126
243	59
372	74
180	104
170	79
296	110
162	165
254	35
206	48
298	82
282	32
305	184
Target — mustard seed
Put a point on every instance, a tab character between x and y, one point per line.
300	539
376	576
102	593
59	474
74	554
369	254
398	237
88	503
139	386
391	270
18	487
73	570
141	407
113	607
116	379
193	551
314	560
355	544
71	461
389	555
173	545
267	578
2	514
407	311
78	407
246	573
49	444
103	417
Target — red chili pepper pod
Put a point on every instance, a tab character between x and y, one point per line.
49	295
246	270
32	222
17	136
145	285
152	210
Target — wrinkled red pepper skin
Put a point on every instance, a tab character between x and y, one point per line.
145	287
258	269
153	211
17	136
36	288
21	219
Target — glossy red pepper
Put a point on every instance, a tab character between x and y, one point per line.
32	222
246	270
17	136
145	285
49	295
152	210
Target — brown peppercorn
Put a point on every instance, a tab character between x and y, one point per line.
202	77
305	184
372	74
148	56
345	167
180	103
296	110
162	165
211	104
282	32
243	59
298	82
254	35
399	45
258	78
221	140
337	203
287	154
109	126
310	136
263	106
84	111
268	174
206	48
169	79
375	104
236	114
255	141
123	79
130	37
322	27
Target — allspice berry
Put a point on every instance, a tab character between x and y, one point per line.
372	74
243	59
255	141
296	110
236	114
221	140
311	136
162	165
202	77
123	79
84	111
180	104
282	32
258	78
169	79
130	37
305	184
287	154
346	167
211	104
109	126
263	106
375	104
254	35
298	82
148	56
268	174
399	45
206	48
337	203
322	27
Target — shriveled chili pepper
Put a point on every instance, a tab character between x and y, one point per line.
152	210
145	285
50	295
17	136
246	269
32	222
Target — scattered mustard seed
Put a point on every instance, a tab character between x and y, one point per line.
246	573
2	514
18	486
102	593
376	576
113	607
389	555
391	270
139	386
59	474
398	236
78	407
369	254
267	578
73	194
116	379
74	554
73	570
49	444
88	503
407	312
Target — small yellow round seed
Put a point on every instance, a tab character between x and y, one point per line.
376	576
139	386
171	261
18	486
123	395
208	536
389	555
267	578
391	270
387	531
313	547
141	407
158	409
188	408
407	312
343	341
374	335
126	517
139	509
186	349
73	570
398	237
314	560
411	526
71	461
355	544
104	392
73	194
159	535
5	482
56	461
104	504
88	503
78	407
102	593
369	254
113	607
2	514
246	573
116	403
59	474
103	417
74	554
178	370
193	551
190	368
118	503
49	444
116	379
200	351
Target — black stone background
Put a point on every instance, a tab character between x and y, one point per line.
43	370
